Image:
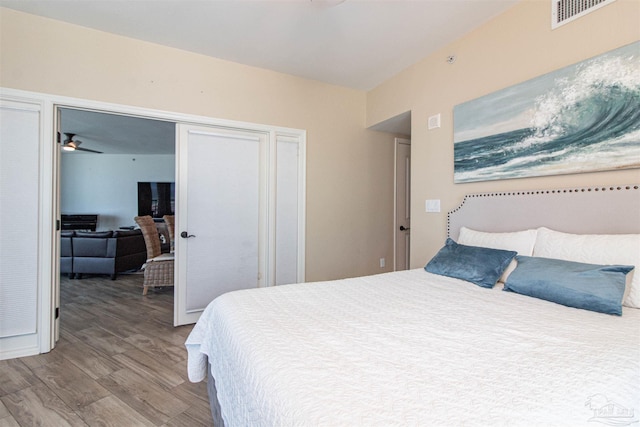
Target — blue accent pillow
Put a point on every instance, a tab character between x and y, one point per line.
482	266
588	286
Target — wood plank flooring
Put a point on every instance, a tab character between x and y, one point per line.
119	362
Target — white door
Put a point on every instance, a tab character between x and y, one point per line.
403	203
287	235
220	215
25	224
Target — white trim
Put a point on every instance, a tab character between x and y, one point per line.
49	238
21	346
224	135
395	201
55	202
272	193
179	305
302	205
264	272
100	106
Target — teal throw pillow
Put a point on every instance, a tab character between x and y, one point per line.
592	287
475	264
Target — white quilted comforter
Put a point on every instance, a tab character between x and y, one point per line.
412	348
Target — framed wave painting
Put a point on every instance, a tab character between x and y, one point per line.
582	118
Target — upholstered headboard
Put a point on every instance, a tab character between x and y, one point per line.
589	210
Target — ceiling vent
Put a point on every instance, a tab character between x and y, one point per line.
565	11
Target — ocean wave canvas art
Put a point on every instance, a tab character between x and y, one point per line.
582	118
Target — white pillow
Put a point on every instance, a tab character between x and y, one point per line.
621	249
519	241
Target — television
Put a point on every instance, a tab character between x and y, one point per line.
156	199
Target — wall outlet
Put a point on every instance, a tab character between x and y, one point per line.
382	263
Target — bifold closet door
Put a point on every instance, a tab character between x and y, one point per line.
20	125
289	217
220	234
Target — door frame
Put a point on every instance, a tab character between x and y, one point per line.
48	289
396	143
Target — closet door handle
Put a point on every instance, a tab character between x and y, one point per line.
403	228
186	235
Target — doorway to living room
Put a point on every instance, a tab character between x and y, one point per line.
275	157
113	167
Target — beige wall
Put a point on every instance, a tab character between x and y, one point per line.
349	169
514	47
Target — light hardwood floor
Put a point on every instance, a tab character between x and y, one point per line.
119	362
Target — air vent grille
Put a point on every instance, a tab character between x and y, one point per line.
565	11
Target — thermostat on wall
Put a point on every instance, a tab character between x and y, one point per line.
434	122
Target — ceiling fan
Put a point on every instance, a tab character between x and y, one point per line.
71	144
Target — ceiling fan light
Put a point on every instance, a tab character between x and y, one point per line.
69	146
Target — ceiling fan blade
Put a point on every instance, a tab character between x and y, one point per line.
74	145
88	150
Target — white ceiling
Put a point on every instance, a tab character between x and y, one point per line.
117	134
353	43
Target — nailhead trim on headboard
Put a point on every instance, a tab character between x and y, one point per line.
534	192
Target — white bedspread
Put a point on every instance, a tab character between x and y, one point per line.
412	348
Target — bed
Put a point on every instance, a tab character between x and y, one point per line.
425	347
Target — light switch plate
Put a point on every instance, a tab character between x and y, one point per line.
432	205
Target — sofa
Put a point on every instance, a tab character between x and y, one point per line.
66	254
101	252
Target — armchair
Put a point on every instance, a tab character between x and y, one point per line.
170	221
158	271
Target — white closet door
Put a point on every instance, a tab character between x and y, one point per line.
221	208
19	228
289	217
